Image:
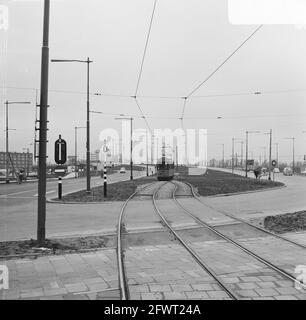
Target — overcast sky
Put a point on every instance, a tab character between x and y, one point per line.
189	39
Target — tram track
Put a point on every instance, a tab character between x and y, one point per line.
242	220
197	257
235	243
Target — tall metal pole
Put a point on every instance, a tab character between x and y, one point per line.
242	153
75	152
131	162
88	133
293	164
6	145
246	154
233	139
270	155
147	154
41	217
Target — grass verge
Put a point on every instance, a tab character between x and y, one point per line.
215	182
288	222
119	191
55	246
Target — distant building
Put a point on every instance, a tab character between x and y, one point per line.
20	160
71	160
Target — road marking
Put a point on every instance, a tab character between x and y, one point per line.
11	194
36	195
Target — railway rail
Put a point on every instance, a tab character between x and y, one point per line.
235	243
123	279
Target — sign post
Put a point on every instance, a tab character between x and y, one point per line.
105	150
60	157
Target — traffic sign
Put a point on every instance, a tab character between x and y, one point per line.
274	163
250	162
105	149
60	171
60	151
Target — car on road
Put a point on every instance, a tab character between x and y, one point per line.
287	171
122	170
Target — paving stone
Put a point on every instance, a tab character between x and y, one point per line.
266	284
217	294
181	287
152	296
197	294
99	286
266	292
174	295
159	288
54	292
247	293
76	287
286	297
287	291
249	279
247	285
31	293
202	287
139	288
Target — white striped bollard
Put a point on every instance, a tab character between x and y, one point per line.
105	181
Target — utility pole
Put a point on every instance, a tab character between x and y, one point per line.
233	150
147	153
43	120
88	61
242	153
131	164
270	155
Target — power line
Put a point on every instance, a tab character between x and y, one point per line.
219	67
224	62
145	49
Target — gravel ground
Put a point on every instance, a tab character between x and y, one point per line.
288	222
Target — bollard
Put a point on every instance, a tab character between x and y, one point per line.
60	187
105	181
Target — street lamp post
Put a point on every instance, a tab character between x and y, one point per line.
75	150
247	149
131	150
88	61
7	103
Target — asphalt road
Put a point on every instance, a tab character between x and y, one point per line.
18	219
18	205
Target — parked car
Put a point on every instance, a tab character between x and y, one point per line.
287	171
122	170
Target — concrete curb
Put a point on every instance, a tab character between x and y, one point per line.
48	200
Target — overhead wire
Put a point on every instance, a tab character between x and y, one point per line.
219	67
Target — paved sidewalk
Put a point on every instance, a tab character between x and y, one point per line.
154	272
